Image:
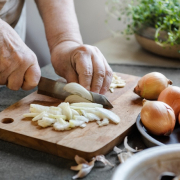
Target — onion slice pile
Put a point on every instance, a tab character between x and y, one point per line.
68	116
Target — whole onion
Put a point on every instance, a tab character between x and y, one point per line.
171	96
151	85
158	118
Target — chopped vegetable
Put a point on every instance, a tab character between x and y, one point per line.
65	116
81	118
117	82
46	121
109	114
88	105
61	125
75	123
75	88
66	110
40	116
92	117
75	99
104	122
36	108
30	114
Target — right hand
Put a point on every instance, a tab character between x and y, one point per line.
18	64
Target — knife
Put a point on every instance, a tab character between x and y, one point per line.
55	89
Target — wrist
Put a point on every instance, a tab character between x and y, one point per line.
60	40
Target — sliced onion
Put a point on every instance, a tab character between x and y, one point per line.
76	98
75	88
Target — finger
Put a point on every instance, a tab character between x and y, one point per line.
98	73
6	73
31	77
84	69
107	79
15	79
4	78
72	77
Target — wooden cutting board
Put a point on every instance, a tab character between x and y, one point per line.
87	142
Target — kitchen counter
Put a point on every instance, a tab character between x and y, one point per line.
21	163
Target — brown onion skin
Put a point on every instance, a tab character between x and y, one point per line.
150	85
158	118
171	96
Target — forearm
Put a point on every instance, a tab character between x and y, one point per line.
60	21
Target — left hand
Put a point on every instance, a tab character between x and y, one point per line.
83	64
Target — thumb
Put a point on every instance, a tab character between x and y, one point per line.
31	77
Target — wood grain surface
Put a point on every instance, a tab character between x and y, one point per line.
87	142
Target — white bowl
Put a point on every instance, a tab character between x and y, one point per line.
150	163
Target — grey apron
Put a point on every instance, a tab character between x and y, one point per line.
14	13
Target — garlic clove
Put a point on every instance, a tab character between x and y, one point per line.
124	156
117	150
102	159
85	169
80	160
75	88
127	147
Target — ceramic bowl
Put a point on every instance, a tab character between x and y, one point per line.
151	140
150	163
145	37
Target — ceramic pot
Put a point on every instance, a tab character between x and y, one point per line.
145	37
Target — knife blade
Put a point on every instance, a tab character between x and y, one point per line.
55	89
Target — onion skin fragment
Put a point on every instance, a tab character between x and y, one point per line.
158	118
151	85
171	96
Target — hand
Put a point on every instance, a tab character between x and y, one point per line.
83	64
18	64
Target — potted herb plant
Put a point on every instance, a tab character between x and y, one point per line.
155	23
